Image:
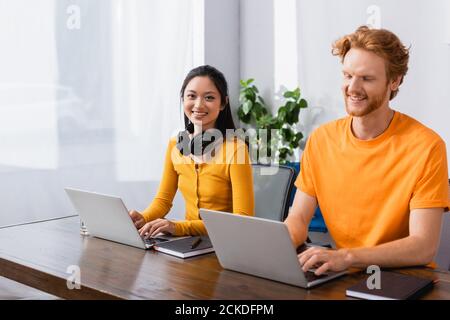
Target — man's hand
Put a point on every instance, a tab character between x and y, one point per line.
324	260
152	228
138	219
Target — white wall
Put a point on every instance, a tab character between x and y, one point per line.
221	42
257	45
422	24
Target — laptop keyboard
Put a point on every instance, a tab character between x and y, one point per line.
311	276
152	241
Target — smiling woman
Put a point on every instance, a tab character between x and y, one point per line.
206	103
213	180
202	103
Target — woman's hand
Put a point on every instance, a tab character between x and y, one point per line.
152	228
137	218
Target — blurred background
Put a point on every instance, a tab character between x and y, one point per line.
89	89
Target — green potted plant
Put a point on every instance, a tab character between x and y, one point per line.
275	137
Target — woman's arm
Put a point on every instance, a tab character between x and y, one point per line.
162	202
241	175
189	227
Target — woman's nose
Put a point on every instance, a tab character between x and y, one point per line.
198	102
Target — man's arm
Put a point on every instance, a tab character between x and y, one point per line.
416	249
300	216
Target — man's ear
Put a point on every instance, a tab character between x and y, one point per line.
395	83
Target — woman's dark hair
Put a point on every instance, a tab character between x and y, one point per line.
224	120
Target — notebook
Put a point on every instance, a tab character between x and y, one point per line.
182	248
394	286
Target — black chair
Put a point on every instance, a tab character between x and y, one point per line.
272	186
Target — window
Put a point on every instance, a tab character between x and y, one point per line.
89	95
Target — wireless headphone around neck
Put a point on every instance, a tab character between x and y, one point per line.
196	146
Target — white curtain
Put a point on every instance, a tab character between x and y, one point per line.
152	53
89	96
28	85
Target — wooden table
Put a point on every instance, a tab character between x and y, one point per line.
40	255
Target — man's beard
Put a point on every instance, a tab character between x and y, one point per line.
373	104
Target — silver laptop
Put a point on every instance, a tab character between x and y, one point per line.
107	217
259	247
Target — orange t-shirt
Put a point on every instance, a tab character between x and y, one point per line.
367	188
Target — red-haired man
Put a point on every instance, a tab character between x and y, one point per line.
379	176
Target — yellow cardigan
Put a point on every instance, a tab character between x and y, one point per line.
223	183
